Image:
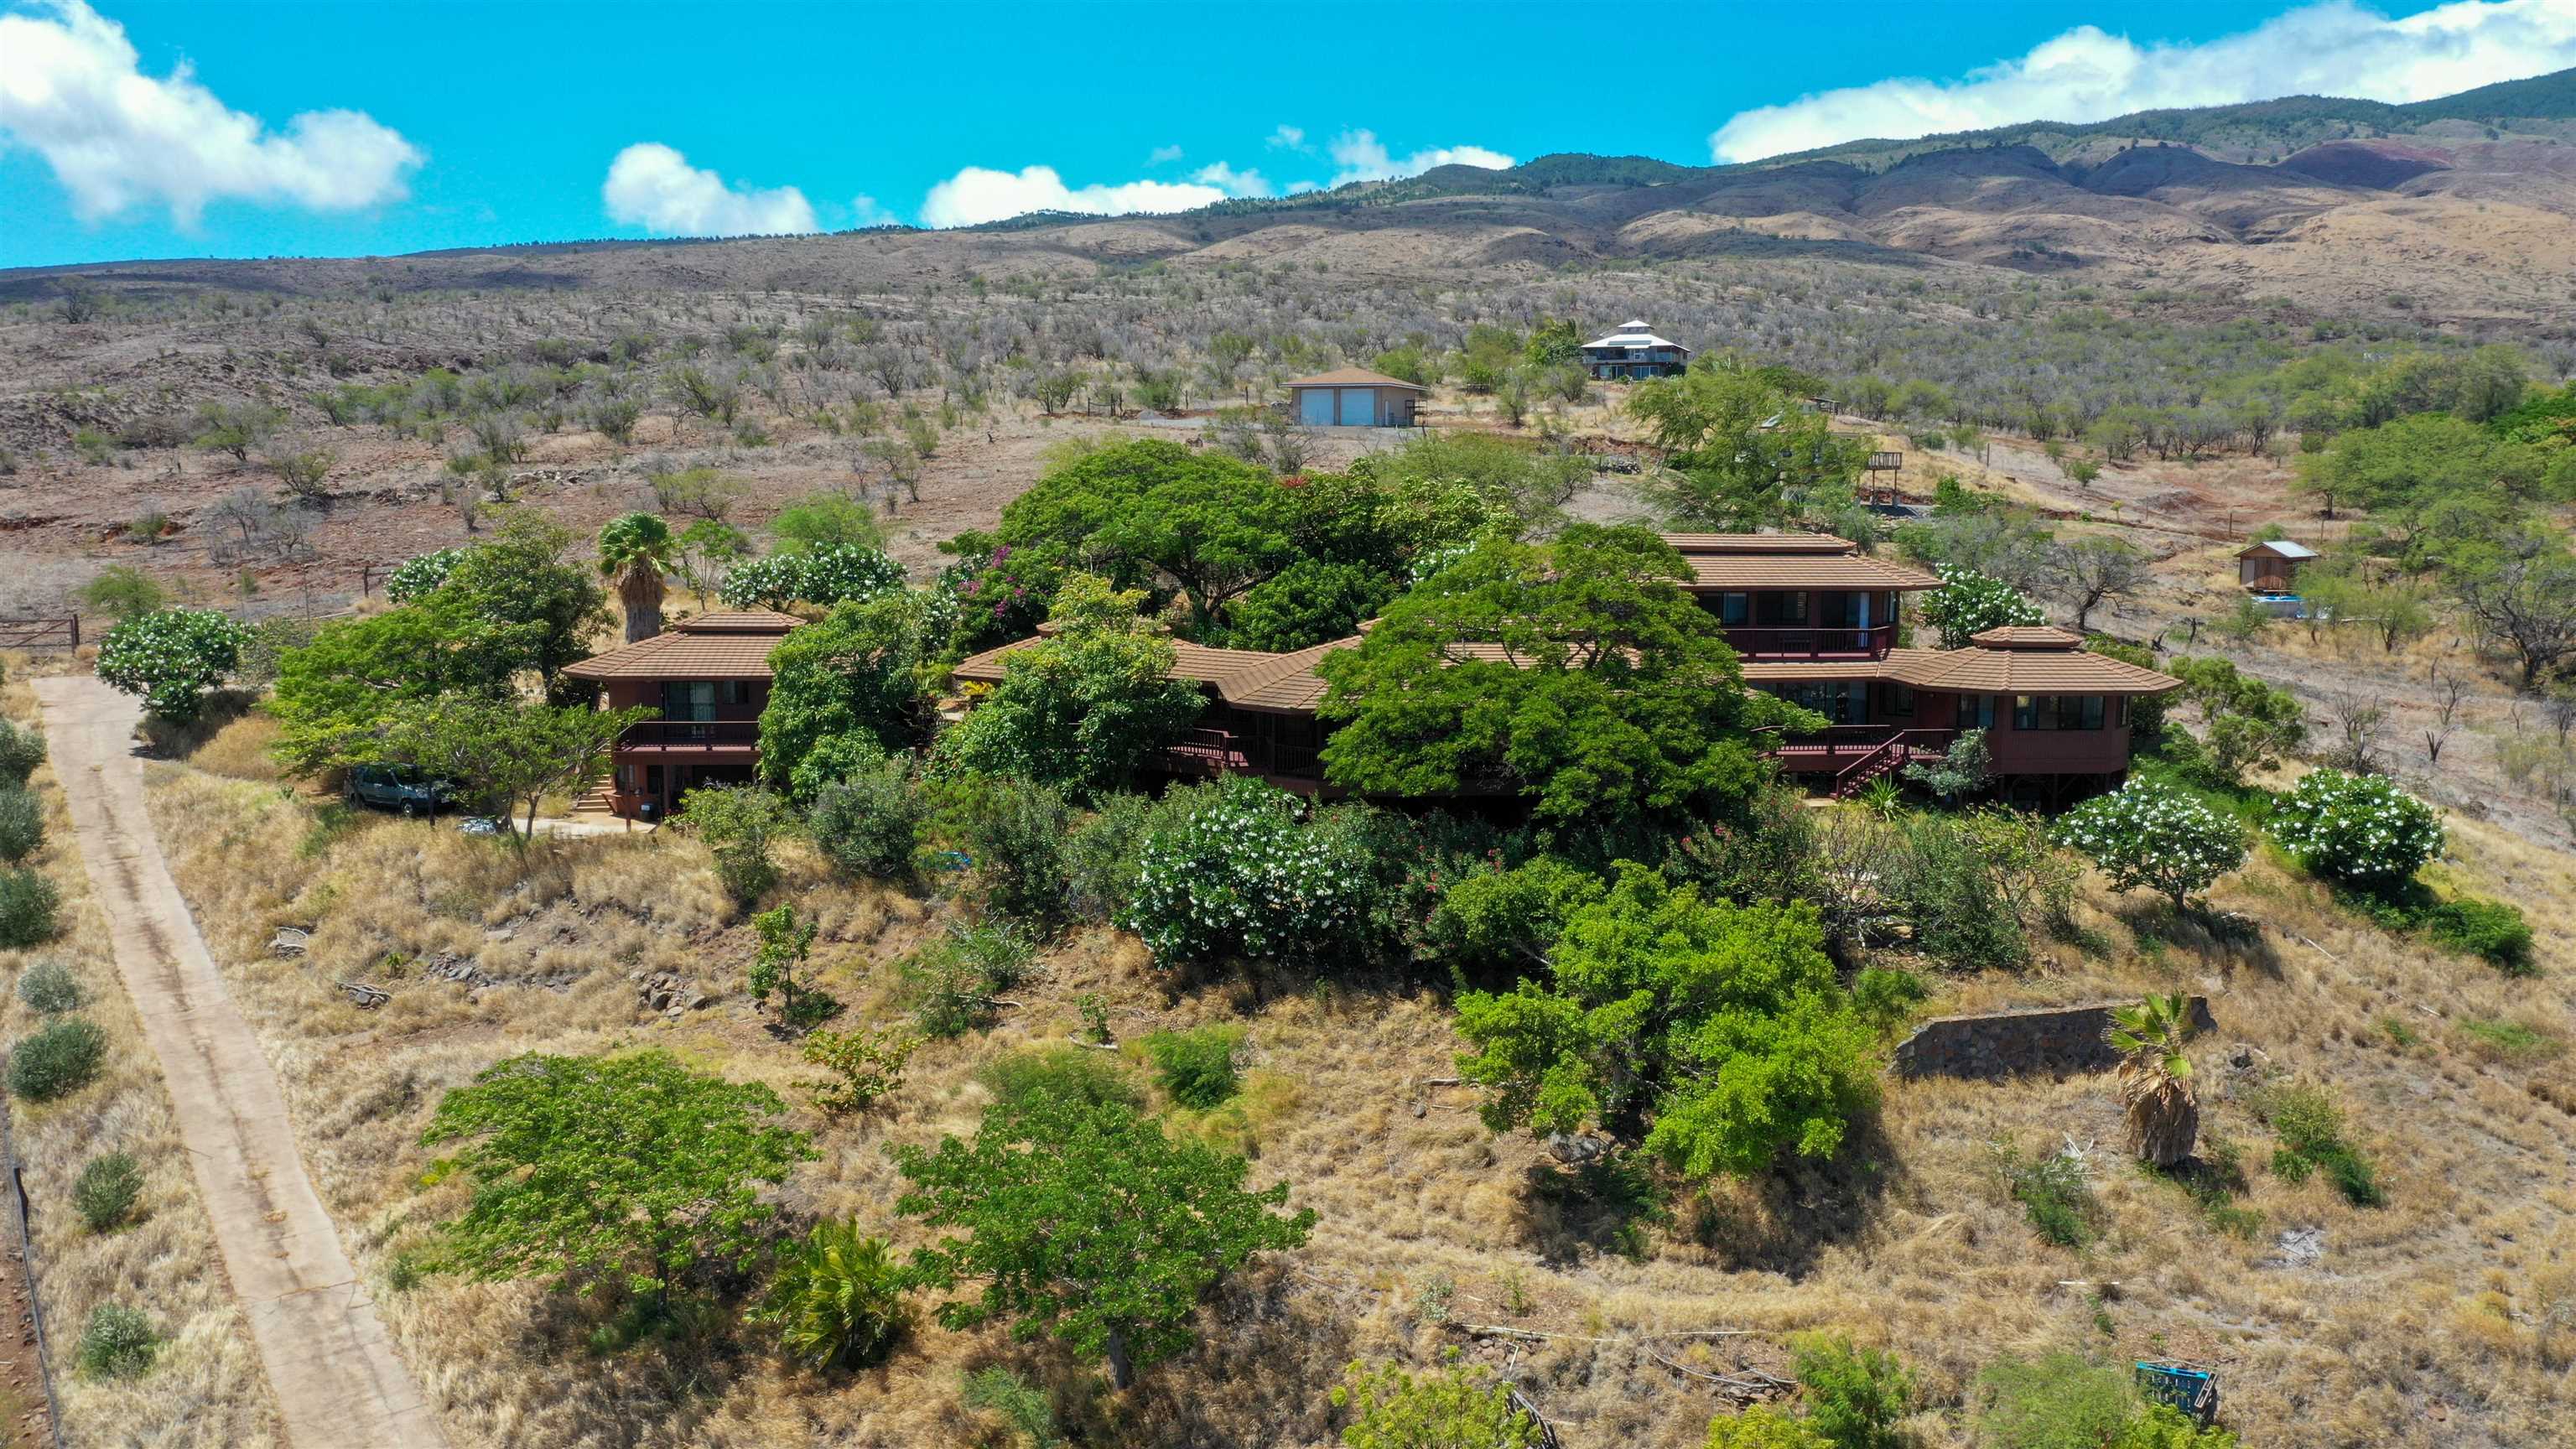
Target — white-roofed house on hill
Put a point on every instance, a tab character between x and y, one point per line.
1634	351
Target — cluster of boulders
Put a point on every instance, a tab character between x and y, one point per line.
666	993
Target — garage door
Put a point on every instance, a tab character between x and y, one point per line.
1359	407
1315	407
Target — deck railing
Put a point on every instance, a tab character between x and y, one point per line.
1810	641
664	733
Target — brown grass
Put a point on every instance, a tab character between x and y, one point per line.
2440	1319
206	1388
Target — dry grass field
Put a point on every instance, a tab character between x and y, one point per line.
206	1388
2446	1318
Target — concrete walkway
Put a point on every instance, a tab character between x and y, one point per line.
338	1383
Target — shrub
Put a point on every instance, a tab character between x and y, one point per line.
1393	1409
826	574
1969	603
1953	890
22	824
1025	1407
49	988
56	1059
1495	919
837	1300
949	984
1196	1067
171	657
21	751
28	901
2311	1129
1243	872
105	1190
2492	929
869	821
1854	1396
1763	1427
1104	856
2059	1401
2054	1193
1091	1078
1016	833
119	1343
2357	828
2146	834
739	823
866	1065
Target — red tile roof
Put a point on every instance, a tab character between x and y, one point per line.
729	645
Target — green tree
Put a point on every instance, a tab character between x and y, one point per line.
1717	1033
2246	724
826	520
707	548
1084	1220
333	693
1451	1408
503	751
171	657
1309	602
1577	673
2152	835
121	591
635	551
1146	512
2156	1092
2357	828
1744	452
2412	462
1080	712
627	1168
523	576
856	671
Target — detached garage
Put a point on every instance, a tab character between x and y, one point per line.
1352	397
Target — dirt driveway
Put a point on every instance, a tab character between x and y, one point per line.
338	1383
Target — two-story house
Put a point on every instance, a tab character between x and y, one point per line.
1633	352
709	677
1813	620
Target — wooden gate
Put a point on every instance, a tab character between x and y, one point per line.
40	633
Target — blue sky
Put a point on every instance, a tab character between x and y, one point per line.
143	128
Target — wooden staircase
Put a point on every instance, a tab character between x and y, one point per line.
598	799
1892	754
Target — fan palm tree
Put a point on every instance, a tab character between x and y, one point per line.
636	550
2155	1077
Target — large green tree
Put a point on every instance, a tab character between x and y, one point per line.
2412	462
1716	1034
1081	712
627	1168
1084	1220
1744	450
525	575
333	692
1153	513
504	751
857	671
635	551
1577	672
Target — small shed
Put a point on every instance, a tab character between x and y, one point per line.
1353	397
2272	566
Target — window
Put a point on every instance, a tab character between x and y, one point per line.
1734	608
688	699
2058	712
1897	700
1976	711
1840	701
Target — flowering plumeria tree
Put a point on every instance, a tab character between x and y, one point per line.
829	574
1968	603
2157	837
414	578
1245	874
2358	828
171	657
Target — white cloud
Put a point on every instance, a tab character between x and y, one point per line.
1363	157
653	186
1292	138
865	212
1232	182
980	194
2086	74
72	90
1163	154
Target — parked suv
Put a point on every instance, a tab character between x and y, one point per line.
398	787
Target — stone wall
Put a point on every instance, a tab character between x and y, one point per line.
2059	1040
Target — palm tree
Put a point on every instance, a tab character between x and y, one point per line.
636	550
2155	1077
